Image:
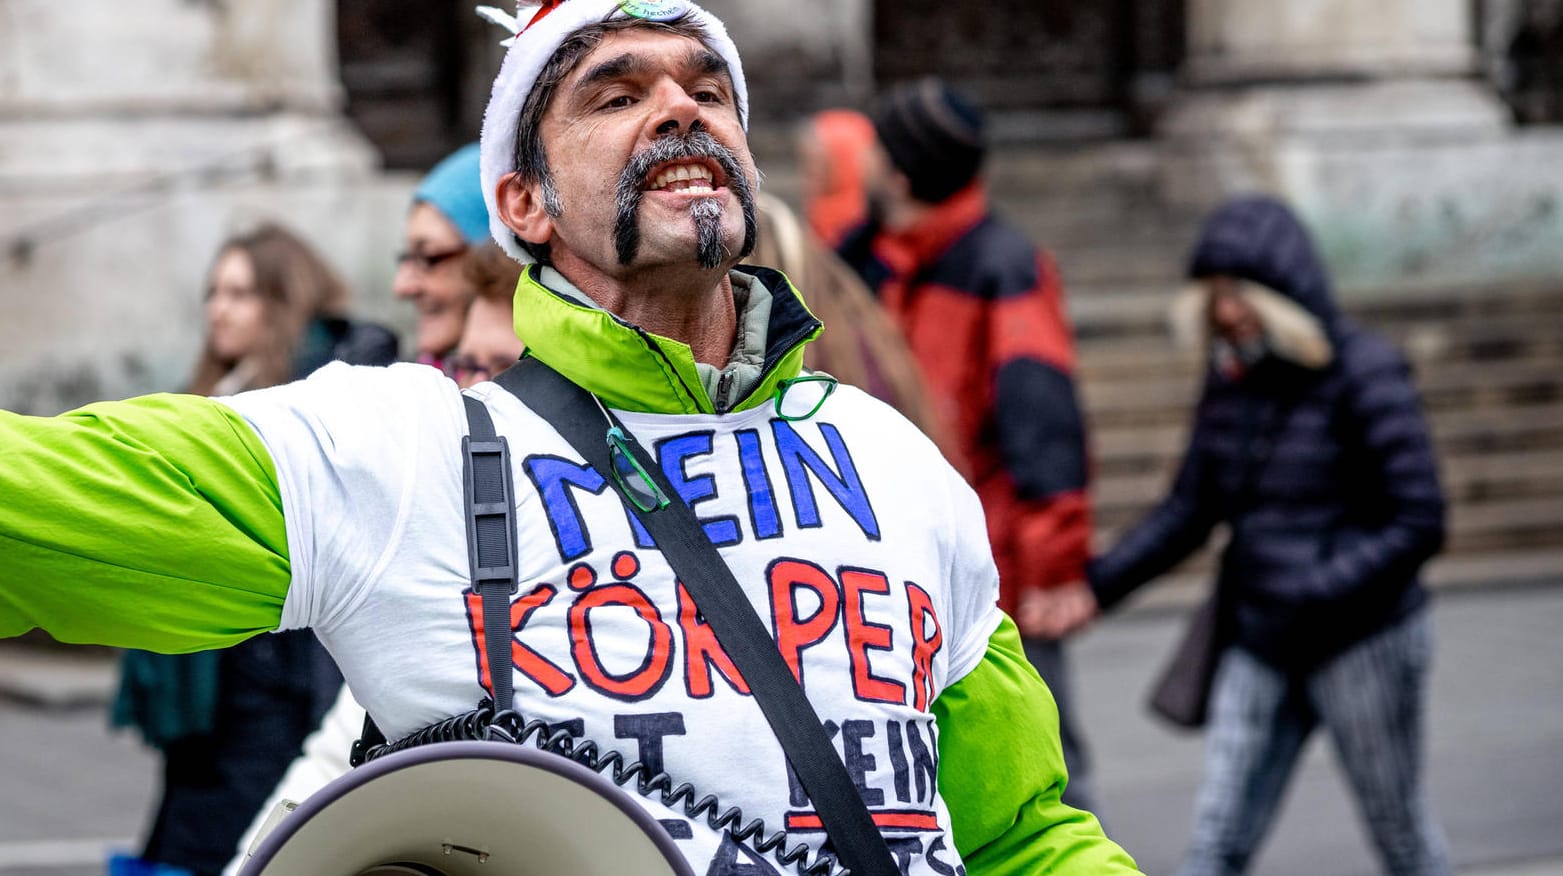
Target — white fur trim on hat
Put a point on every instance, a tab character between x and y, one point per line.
531	51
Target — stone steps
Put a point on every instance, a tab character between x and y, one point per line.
1457	434
1186	585
1486	385
1529	519
1485	478
1498	337
1131	309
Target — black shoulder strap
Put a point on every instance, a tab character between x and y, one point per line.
491	554
678	534
491	539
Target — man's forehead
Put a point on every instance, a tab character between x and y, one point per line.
638	50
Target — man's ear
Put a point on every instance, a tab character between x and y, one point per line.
521	208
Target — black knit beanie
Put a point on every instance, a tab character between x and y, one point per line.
934	134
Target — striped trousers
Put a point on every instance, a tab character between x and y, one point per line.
1370	700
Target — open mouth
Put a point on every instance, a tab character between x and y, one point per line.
688	175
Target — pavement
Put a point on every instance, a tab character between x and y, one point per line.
72	791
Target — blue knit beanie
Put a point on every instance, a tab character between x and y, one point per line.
455	188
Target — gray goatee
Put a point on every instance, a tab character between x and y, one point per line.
706	212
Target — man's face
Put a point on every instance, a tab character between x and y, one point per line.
882	183
649	158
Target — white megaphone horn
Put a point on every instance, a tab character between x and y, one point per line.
468	809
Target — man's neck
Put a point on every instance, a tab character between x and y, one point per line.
905	213
692	306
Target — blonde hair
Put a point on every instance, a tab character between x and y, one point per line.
295	286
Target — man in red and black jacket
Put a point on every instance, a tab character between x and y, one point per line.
983	311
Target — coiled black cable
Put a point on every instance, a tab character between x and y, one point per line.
509	726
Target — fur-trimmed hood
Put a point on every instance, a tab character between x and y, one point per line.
1259	239
1291	331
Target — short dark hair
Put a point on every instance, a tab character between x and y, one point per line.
531	158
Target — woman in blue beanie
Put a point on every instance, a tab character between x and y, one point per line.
447	221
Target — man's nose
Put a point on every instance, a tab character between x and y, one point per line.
676	111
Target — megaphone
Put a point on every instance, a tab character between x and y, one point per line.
468	809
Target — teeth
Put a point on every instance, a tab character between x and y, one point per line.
698	176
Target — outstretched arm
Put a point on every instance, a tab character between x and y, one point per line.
153	523
1001	771
1175	528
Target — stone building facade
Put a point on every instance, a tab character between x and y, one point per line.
1419	135
132	141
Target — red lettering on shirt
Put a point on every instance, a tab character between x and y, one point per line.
702	651
646	679
531	664
863	635
794	634
925	644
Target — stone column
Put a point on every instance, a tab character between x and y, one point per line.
1251	40
134	137
1370	118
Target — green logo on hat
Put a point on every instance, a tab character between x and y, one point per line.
654	10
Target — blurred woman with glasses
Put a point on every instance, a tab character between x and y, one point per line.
488	339
445	225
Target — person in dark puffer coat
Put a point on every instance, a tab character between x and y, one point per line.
1310	446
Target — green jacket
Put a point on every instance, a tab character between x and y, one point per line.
157	523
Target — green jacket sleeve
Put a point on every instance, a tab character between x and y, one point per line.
154	523
1001	772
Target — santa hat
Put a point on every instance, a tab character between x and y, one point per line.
540	29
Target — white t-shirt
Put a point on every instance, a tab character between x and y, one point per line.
858	545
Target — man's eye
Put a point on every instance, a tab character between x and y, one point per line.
707	96
619	102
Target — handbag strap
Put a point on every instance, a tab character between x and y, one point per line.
577	416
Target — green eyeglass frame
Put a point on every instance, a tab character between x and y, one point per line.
783	386
632	478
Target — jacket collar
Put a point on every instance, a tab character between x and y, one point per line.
907	251
631	369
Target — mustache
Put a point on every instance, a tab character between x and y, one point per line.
696	144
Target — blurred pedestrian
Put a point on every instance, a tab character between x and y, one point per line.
446	222
983	311
1309	443
488	338
832	149
228	722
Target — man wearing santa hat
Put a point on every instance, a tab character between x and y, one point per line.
615	161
